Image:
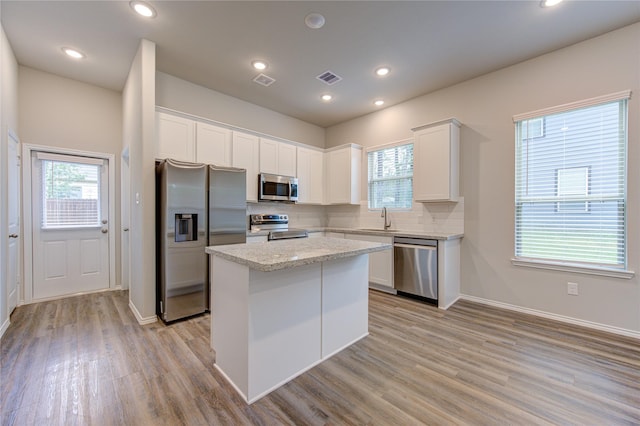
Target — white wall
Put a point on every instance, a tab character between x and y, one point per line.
64	113
8	120
138	111
485	106
184	96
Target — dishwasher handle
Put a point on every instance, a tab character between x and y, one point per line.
416	241
415	246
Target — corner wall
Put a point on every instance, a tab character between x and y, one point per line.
138	112
485	106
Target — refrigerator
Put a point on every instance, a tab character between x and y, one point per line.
197	205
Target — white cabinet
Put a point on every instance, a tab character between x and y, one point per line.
175	137
342	171
246	155
380	262
436	153
213	145
277	158
310	175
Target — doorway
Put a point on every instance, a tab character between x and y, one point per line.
70	223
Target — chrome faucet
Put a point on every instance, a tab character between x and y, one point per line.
384	214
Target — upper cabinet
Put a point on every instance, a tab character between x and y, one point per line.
310	175
436	153
175	137
342	171
277	158
213	145
246	155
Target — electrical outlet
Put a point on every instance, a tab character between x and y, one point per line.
572	289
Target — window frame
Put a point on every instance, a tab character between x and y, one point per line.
366	159
616	271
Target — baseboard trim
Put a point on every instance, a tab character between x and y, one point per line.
445	307
556	317
141	320
5	326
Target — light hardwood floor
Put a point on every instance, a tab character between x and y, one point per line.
85	360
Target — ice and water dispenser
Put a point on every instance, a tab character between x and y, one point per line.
186	227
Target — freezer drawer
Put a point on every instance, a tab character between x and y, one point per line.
416	267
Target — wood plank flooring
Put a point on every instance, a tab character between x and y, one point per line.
84	360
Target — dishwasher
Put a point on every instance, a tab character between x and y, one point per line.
416	268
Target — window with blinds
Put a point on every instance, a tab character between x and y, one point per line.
390	177
70	194
570	200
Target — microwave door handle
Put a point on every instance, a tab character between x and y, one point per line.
289	189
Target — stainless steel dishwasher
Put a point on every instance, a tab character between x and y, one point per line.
416	268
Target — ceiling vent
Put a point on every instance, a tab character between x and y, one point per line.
264	80
329	77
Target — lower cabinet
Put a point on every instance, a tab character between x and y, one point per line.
380	262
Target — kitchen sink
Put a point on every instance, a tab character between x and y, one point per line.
377	230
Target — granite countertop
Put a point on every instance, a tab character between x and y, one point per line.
389	233
286	254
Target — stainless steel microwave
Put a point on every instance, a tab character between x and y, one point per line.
277	188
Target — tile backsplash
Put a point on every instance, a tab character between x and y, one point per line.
424	217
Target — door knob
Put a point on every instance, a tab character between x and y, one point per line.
104	231
13	235
104	221
126	229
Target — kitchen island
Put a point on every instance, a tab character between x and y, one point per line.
279	308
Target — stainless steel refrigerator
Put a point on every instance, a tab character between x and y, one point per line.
197	205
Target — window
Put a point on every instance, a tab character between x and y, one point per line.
70	191
390	177
572	182
570	201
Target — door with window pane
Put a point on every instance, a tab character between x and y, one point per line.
70	221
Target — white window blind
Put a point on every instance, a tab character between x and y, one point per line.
390	177
71	194
570	200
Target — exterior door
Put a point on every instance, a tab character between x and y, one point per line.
70	224
13	267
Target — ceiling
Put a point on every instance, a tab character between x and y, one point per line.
428	44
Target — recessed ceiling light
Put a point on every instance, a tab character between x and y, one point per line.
382	71
326	97
379	102
73	53
259	65
549	3
314	21
143	8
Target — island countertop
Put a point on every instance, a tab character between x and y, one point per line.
286	254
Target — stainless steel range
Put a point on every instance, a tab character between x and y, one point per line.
277	225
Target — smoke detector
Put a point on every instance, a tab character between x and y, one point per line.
264	80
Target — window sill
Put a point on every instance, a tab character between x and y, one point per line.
573	267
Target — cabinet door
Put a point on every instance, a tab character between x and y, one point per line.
380	262
287	159
213	145
343	176
268	156
246	156
310	172
175	137
435	171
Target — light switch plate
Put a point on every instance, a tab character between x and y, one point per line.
572	289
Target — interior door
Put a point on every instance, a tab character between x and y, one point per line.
13	267
70	224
